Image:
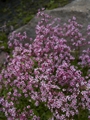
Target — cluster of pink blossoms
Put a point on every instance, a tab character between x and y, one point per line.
39	81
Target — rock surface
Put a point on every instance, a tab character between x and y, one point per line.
2	58
78	8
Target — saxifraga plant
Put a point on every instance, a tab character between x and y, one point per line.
42	80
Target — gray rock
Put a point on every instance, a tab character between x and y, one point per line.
3	56
78	8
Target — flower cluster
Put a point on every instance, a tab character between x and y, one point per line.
40	80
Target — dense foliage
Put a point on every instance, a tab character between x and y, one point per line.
48	79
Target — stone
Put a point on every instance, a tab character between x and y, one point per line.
78	8
3	56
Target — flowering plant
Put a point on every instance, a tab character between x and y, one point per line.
45	80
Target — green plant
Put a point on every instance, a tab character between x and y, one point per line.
27	19
44	80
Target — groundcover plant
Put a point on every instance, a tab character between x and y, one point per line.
48	79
